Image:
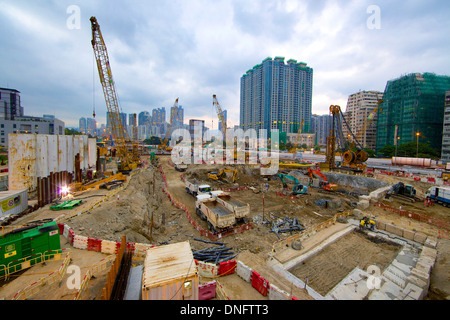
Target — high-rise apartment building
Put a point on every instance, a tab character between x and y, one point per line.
445	157
361	117
178	120
82	125
158	116
414	103
277	95
321	126
144	118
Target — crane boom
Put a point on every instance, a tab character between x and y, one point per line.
220	115
120	136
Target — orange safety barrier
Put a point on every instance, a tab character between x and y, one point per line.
416	216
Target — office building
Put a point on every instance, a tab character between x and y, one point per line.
361	116
277	95
415	104
10	105
13	120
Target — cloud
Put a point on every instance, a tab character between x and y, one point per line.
161	50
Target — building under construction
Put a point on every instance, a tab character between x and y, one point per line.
414	104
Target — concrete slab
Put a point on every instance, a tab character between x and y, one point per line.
417	281
411	292
352	287
395	275
408	234
431	242
424	276
387	291
420	237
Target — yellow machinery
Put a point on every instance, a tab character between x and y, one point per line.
127	161
80	187
352	160
173	116
221	117
222	174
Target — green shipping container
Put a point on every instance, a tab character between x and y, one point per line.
35	244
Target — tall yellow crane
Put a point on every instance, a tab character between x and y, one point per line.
120	136
221	116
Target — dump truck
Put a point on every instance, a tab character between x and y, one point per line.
195	188
240	209
441	195
219	217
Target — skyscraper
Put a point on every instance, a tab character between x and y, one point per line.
446	132
415	103
277	95
321	125
361	117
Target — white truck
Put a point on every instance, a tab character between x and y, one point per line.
240	209
195	188
440	195
218	217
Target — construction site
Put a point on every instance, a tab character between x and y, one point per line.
121	222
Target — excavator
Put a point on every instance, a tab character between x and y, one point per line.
402	191
323	181
298	187
222	175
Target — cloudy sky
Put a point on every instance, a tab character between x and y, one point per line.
191	49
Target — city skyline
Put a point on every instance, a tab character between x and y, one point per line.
160	51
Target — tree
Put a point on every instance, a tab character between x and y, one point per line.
71	132
153	140
387	151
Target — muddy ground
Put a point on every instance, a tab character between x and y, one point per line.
131	214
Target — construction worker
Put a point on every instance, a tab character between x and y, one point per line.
367	223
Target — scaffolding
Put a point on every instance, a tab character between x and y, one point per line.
415	104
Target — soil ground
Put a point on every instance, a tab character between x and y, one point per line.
132	212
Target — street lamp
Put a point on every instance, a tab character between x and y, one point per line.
417	153
396	146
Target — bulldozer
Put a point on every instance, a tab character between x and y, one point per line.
221	175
